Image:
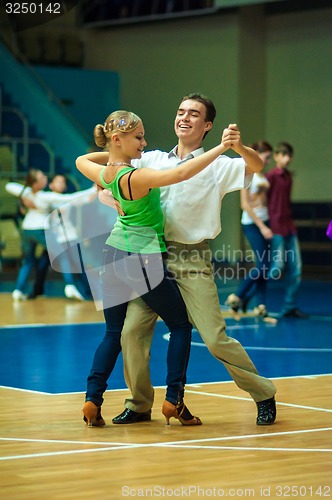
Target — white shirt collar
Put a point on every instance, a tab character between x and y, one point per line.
193	154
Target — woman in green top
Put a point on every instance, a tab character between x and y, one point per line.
133	259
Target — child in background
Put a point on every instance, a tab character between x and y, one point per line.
286	255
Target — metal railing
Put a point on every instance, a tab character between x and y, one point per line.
14	143
25	127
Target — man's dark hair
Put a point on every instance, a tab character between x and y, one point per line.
262	147
210	109
284	148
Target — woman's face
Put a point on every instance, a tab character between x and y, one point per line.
266	157
41	180
59	184
133	143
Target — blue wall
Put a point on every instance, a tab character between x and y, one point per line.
68	131
89	95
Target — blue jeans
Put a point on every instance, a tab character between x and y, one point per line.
31	238
120	277
286	257
69	262
255	281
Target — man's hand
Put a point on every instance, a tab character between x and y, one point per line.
231	138
105	196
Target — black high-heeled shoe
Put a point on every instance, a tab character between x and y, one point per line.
180	412
92	415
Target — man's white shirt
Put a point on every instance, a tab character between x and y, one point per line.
192	208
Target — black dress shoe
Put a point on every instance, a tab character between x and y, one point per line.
267	412
131	417
296	313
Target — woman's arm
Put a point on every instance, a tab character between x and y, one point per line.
91	164
245	205
147	178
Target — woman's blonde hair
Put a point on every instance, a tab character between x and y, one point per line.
118	121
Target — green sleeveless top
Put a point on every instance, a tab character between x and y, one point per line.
141	229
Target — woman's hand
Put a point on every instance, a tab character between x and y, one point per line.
266	232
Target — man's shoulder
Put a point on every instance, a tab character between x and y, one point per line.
154	153
229	164
153	159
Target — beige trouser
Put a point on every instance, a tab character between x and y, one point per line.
194	275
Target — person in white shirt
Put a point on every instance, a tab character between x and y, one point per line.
62	238
192	217
255	225
35	221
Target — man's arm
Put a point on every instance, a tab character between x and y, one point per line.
232	139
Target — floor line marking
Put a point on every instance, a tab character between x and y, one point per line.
24	390
186	441
166	336
253	448
196	384
65	441
250	436
69	452
249	399
185	444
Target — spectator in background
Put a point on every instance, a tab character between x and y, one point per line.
63	245
286	255
41	204
255	225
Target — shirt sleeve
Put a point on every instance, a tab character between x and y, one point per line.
17	189
57	199
230	174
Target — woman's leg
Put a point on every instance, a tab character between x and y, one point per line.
166	300
106	354
29	245
41	272
114	312
261	249
247	287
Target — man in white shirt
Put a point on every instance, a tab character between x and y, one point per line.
192	217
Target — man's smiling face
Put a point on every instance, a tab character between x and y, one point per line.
190	124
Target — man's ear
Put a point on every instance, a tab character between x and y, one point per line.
208	126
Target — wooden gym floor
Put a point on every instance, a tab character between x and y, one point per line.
46	450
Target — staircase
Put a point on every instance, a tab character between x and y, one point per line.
35	129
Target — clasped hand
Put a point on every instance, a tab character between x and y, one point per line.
231	138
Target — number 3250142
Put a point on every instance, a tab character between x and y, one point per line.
33	8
